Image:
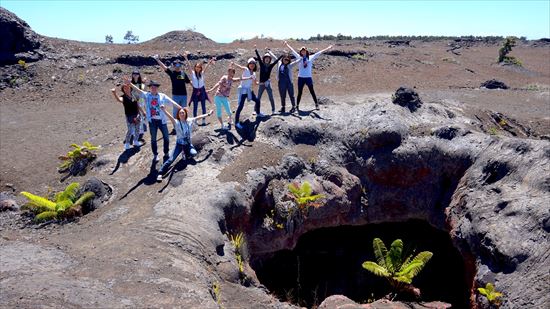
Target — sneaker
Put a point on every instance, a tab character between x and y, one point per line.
159	178
225	128
239	126
292	110
155	158
126	146
138	144
282	110
140	138
260	115
229	126
253	113
316	106
272	112
203	122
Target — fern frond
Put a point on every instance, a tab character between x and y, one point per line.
63	205
69	193
306	189
308	199
403	279
376	269
75	146
294	189
84	198
45	216
380	251
38	202
394	257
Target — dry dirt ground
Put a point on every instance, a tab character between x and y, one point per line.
124	253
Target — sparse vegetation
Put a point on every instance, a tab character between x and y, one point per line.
425	38
64	205
217	291
536	87
492	295
109	39
493	131
117	69
393	266
76	161
505	50
238	241
359	57
23	64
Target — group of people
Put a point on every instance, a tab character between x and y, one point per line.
142	107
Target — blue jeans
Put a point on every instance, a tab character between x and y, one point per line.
188	149
242	99
155	124
267	88
199	94
181	100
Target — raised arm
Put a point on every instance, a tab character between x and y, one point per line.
238	65
272	54
189	67
275	62
201	116
135	87
292	50
258	58
119	99
214	88
163	107
317	54
162	65
211	61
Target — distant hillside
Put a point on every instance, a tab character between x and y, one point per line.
182	37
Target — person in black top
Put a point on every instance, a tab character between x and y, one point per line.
132	111
265	73
179	78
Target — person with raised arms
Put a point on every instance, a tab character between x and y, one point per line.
197	80
221	98
131	111
304	72
265	75
284	77
184	126
245	90
179	78
157	120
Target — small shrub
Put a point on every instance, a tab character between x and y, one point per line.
492	295
359	57
117	69
536	87
505	50
237	241
65	204
76	161
217	291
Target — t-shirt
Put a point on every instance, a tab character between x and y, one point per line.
247	83
152	105
183	131
224	87
179	79
130	106
305	65
197	82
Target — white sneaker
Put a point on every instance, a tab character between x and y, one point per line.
138	144
126	146
159	178
253	113
156	158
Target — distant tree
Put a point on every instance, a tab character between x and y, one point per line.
130	37
109	39
506	49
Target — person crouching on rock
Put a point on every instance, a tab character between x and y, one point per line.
184	125
304	72
157	120
197	80
284	76
222	95
265	75
132	111
140	83
245	90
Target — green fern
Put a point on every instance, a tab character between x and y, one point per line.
492	295
302	195
86	151
393	266
45	209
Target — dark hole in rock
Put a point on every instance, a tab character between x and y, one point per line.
495	171
328	262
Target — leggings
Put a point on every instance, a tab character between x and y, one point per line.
309	82
284	87
242	99
199	94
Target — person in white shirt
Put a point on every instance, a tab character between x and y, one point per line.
157	120
245	90
304	72
197	80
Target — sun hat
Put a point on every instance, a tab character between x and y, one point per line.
153	83
251	60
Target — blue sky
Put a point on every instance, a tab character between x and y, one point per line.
224	21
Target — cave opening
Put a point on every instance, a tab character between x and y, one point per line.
328	261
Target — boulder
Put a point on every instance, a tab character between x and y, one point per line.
407	97
494	84
17	37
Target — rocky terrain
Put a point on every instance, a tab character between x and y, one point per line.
450	167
